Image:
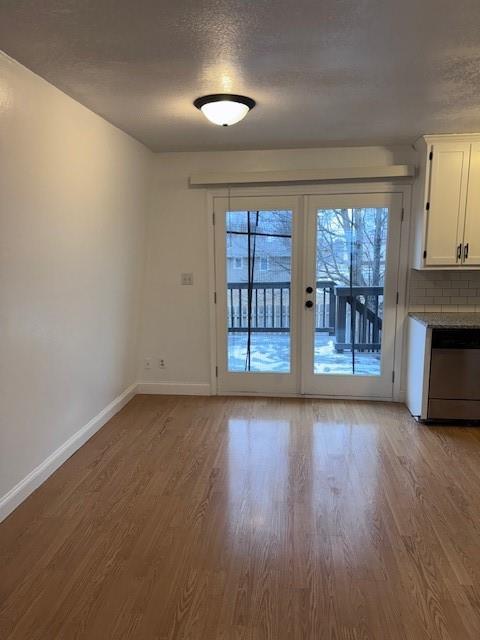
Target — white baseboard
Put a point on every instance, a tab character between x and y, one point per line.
174	388
35	478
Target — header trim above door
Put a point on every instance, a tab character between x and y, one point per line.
315	175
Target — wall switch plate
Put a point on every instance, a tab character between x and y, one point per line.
148	363
186	278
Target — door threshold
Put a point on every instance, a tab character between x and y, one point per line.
306	396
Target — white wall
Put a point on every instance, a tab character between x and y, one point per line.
175	323
72	207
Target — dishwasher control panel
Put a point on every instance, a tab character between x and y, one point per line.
456	339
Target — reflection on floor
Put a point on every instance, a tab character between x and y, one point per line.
271	352
258	519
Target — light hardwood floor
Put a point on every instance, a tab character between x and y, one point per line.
239	518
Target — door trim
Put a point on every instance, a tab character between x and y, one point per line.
400	186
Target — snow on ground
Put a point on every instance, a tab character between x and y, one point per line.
271	352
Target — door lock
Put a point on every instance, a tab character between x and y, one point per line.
309	290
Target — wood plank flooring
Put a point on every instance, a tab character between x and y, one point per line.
251	519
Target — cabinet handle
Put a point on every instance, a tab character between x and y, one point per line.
459	252
465	252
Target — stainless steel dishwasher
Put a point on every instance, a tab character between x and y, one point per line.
454	392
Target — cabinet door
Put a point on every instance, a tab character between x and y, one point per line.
471	238
448	194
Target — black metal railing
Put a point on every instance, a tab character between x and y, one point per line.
334	306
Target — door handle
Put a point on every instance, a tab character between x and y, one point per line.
309	304
465	252
459	252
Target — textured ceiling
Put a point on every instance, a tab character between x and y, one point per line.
324	72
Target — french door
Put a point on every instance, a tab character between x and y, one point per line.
257	286
306	292
352	244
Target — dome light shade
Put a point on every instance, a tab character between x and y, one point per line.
224	109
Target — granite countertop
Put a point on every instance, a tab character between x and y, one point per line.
447	320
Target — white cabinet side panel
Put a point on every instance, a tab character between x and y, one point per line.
417	334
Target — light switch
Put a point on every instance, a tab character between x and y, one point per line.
187	278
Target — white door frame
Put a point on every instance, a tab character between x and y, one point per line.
397	186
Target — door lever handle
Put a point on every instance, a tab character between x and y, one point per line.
465	252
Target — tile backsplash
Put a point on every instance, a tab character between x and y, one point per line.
444	291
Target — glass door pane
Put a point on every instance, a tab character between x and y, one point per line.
258	270
352	253
257	294
351	247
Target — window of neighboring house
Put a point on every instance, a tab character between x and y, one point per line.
263	264
237	263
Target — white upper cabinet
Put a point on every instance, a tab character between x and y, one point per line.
445	208
471	236
446	221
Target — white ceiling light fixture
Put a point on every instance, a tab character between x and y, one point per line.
224	109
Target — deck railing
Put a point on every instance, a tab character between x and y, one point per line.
270	311
359	318
270	307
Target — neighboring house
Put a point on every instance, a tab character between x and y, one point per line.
272	261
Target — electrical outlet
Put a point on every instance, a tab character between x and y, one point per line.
161	363
148	363
186	278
